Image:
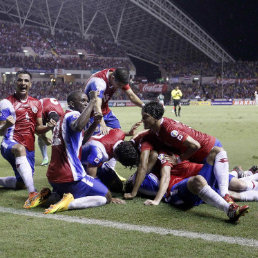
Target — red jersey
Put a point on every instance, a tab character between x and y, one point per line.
103	86
110	140
50	105
173	133
27	112
181	171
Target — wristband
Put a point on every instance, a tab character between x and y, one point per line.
143	104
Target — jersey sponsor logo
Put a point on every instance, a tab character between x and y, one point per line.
224	160
174	133
75	115
162	158
179	137
34	109
96	160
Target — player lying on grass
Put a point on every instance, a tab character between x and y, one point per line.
186	183
98	150
65	172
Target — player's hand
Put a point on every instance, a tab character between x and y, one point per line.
93	95
134	128
51	124
97	117
118	201
128	196
10	121
151	202
103	129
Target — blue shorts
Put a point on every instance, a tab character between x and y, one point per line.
110	120
180	195
150	185
88	186
216	144
6	151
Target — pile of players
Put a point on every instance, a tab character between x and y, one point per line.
175	163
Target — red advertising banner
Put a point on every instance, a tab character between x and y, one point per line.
153	87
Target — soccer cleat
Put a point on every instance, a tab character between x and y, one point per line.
37	199
254	169
44	162
239	170
28	201
228	199
235	212
62	205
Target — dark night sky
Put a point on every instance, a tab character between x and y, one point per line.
232	23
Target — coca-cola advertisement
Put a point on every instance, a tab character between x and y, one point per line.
151	87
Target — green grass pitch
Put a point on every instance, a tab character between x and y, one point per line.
23	236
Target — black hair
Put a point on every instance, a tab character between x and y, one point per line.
73	95
53	115
127	154
154	109
121	75
23	72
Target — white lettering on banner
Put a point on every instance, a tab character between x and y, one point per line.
153	88
243	102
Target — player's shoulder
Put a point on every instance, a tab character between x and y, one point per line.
49	101
5	103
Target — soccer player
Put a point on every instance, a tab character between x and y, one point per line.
188	184
98	150
176	95
107	82
65	172
161	99
18	143
188	143
51	109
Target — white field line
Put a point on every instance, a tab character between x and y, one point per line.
131	227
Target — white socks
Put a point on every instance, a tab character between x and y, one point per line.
87	202
208	195
25	171
8	182
249	196
251	185
43	148
221	169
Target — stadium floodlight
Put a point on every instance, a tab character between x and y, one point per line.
42	73
25	51
7	73
13	72
69	74
79	53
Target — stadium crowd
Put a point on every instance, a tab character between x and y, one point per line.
239	69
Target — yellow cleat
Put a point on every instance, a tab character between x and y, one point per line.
35	199
62	205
